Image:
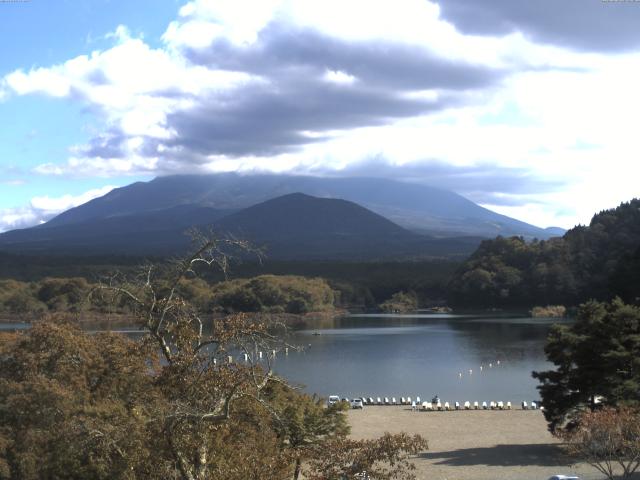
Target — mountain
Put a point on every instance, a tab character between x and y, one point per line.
555	231
157	232
299	226
293	226
417	207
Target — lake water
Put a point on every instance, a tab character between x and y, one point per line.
415	355
421	355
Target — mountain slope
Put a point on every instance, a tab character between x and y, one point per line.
304	216
417	207
301	226
152	232
294	226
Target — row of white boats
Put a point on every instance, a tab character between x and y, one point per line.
437	404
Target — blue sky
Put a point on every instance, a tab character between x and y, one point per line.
39	129
528	108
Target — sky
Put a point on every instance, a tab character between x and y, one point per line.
528	108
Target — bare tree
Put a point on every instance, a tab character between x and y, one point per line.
607	439
209	364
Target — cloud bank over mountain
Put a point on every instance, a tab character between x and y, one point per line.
525	107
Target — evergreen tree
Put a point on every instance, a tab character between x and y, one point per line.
598	356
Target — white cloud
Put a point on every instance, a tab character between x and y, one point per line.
132	86
201	22
43	208
556	113
339	77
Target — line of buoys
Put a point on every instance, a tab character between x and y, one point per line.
491	365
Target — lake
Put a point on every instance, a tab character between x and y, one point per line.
415	355
458	357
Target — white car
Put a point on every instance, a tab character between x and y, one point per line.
357	403
333	399
564	477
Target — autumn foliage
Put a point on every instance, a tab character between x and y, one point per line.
190	399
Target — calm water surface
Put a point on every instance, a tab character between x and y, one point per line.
415	355
410	355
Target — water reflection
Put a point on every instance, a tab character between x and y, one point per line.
400	355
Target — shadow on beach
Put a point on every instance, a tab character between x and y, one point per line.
544	455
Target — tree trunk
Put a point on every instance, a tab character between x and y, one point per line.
201	463
296	472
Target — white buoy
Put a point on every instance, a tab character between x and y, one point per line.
470	372
480	367
491	365
497	362
467	405
459	374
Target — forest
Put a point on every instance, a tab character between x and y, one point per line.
266	294
598	261
50	285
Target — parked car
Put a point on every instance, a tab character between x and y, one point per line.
564	477
333	399
357	403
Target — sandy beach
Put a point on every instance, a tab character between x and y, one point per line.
475	445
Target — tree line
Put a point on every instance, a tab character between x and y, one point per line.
265	293
598	261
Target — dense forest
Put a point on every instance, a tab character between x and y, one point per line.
266	293
355	285
598	261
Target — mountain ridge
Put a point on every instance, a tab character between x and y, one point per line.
292	226
417	207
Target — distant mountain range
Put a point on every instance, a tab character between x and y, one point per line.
294	217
